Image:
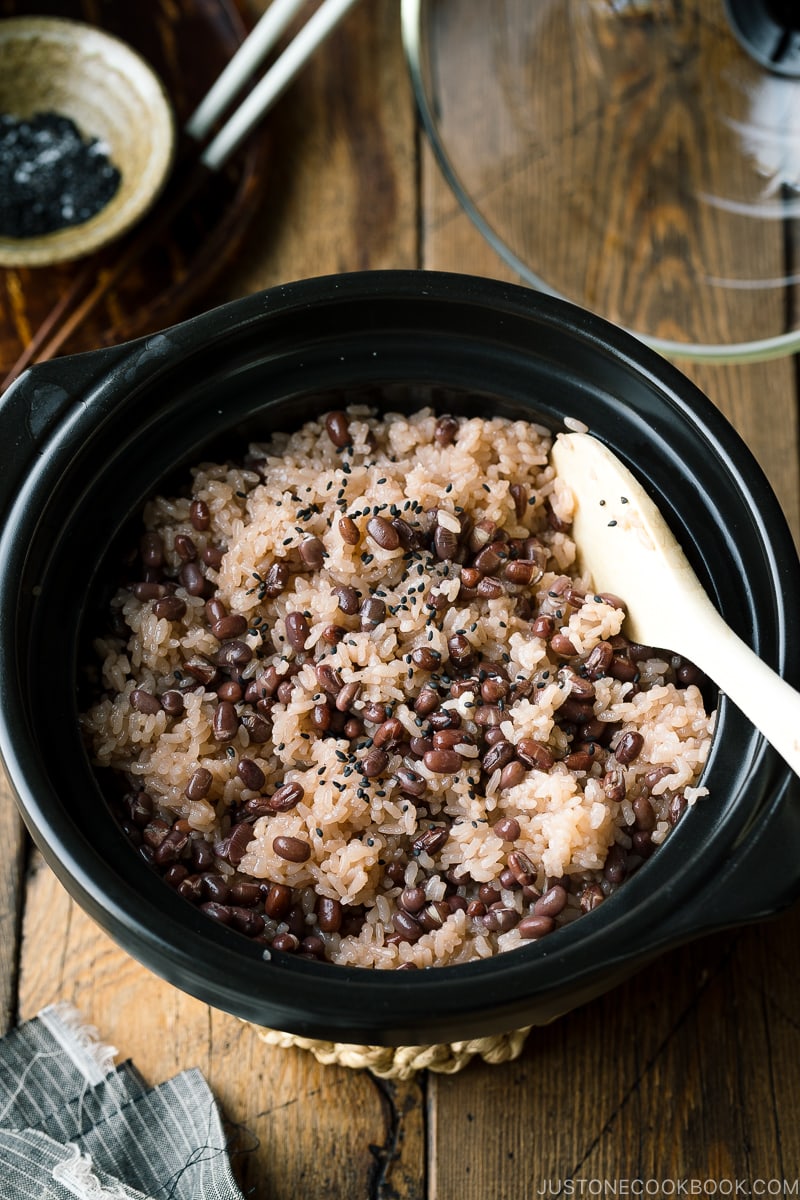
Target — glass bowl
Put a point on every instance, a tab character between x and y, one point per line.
627	155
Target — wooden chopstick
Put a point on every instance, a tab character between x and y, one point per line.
197	162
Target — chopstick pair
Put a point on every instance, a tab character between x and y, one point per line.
205	155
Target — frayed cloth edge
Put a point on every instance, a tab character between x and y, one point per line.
93	1058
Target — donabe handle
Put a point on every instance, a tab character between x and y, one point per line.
760	879
35	404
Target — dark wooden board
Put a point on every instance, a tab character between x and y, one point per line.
188	42
688	1070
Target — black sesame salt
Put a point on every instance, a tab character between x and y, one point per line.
50	178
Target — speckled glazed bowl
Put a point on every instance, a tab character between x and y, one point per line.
112	94
92	436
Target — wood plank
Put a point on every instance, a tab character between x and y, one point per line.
657	1077
343	199
284	1109
686	1071
761	401
14	840
449	239
618	171
187	44
344	190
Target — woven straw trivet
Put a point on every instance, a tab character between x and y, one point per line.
402	1062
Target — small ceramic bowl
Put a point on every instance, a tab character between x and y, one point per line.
111	93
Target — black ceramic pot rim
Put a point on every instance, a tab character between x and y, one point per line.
159	927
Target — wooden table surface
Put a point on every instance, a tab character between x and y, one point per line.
687	1074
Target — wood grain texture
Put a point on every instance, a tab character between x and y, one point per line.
14	842
685	1072
188	44
688	1070
603	145
761	401
343	198
296	1128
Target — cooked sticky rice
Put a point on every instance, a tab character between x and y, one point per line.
423	739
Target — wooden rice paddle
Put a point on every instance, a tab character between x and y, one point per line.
625	545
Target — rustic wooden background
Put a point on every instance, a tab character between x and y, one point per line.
690	1070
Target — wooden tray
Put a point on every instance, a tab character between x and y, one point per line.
188	42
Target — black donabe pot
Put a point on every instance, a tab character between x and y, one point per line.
87	439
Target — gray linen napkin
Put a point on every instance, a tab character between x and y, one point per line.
72	1125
